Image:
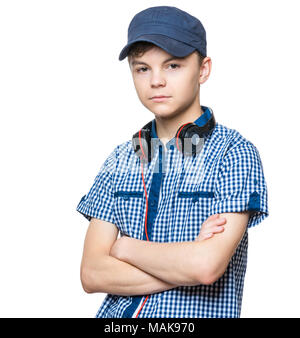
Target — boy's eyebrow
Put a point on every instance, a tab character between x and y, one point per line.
134	62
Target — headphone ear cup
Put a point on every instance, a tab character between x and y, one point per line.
180	135
141	143
189	139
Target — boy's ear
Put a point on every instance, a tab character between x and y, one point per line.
205	70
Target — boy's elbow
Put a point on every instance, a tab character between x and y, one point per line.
209	274
86	280
206	278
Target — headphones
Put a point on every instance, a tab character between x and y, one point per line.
188	138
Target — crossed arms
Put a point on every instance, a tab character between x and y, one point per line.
128	266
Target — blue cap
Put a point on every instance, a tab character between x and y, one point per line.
170	28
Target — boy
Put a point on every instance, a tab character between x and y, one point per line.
183	203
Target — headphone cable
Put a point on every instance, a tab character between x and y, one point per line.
145	222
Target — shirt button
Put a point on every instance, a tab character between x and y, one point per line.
152	203
171	147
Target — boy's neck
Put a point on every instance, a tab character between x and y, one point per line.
166	128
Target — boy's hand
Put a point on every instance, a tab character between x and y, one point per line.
212	225
120	247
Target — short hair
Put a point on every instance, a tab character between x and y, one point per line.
138	49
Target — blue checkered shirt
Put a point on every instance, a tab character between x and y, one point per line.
226	176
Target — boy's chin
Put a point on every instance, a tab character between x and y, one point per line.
164	114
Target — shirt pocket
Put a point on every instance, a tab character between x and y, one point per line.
129	207
193	209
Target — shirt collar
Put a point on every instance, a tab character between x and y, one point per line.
200	121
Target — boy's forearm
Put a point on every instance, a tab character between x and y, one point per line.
173	263
120	278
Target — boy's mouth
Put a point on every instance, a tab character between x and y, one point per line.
159	98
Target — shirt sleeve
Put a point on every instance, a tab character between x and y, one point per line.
99	201
241	184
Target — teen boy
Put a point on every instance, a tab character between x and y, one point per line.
183	219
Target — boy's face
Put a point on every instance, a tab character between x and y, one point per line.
179	79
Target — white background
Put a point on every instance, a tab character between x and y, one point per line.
67	101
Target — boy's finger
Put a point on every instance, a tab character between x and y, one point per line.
210	218
213	230
218	228
218	221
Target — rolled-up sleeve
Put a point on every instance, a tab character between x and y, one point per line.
99	201
241	184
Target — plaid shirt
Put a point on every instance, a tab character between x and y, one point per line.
226	176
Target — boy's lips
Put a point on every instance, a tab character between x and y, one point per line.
159	98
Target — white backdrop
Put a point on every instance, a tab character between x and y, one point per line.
67	101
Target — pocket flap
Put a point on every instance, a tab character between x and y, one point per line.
196	194
128	194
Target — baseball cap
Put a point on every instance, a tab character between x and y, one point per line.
168	27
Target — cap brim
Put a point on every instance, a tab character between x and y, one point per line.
171	46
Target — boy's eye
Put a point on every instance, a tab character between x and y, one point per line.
143	69
139	69
174	64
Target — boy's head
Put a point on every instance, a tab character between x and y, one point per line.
166	53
